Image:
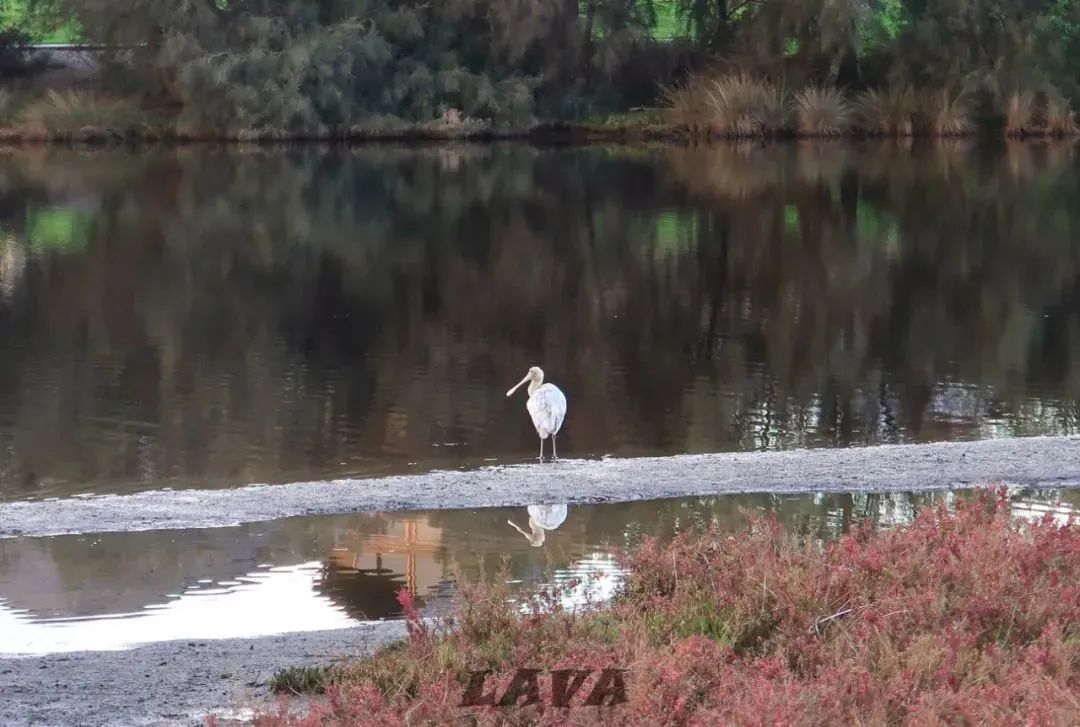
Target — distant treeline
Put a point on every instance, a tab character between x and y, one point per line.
320	65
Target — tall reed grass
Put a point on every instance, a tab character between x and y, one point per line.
743	106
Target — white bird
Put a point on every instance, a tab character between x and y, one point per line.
541	519
546	406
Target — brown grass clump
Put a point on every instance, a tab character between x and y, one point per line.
948	113
888	112
687	105
1019	113
1060	119
822	111
742	106
70	113
732	105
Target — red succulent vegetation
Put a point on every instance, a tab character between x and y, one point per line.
962	617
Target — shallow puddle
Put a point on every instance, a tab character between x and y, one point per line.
112	591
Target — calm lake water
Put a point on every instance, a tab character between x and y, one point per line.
212	318
112	591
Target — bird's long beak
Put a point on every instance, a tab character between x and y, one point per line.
518	385
535	538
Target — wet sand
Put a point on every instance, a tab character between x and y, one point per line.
1034	461
168	683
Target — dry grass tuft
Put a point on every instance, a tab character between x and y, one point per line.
1060	118
822	111
742	106
687	105
732	105
889	112
948	113
69	113
1019	113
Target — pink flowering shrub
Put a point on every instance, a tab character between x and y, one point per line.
959	618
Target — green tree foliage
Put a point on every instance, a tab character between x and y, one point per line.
1001	42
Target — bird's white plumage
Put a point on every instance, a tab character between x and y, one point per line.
547	517
541	519
547	408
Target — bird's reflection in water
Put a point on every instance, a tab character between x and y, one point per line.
541	519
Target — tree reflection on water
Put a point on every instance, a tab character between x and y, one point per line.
203	317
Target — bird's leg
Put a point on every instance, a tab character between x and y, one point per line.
554	452
541	457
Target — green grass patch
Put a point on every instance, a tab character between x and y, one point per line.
302	680
41	29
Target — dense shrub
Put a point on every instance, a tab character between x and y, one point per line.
336	76
320	67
